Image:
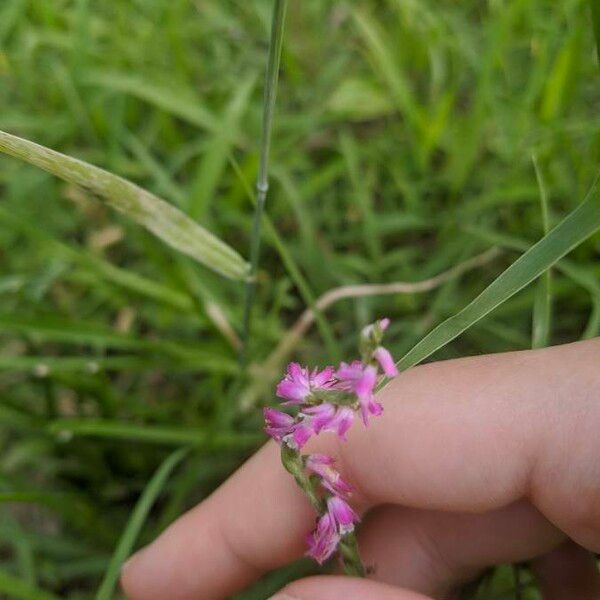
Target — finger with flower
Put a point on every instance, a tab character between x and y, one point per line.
327	400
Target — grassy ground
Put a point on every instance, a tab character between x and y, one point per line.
403	146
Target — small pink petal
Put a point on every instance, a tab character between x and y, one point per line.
320	416
323	541
321	379
365	384
331	480
341	514
302	432
341	422
384	358
277	424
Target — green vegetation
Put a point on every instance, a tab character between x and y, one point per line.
402	153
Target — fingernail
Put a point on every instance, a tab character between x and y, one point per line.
282	596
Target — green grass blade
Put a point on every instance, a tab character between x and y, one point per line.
214	161
293	270
571	231
262	182
118	430
136	522
542	307
162	219
13	587
43	366
181	103
595	6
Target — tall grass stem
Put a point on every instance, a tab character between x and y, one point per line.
262	183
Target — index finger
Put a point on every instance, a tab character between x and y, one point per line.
464	435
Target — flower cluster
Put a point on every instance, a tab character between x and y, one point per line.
327	401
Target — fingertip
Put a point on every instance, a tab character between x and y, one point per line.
132	574
334	587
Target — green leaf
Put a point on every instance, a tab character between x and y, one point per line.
206	439
542	306
162	219
181	103
359	99
595	6
136	521
219	146
570	232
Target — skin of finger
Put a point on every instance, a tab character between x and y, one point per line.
465	435
568	572
216	549
349	588
433	552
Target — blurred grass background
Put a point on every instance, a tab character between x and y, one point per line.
402	147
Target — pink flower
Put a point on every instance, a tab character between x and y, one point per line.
384	358
331	480
384	324
341	514
327	417
277	424
323	541
300	434
299	383
360	379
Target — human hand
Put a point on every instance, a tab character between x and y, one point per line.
476	462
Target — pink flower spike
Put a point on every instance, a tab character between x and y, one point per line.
323	541
384	358
384	324
331	480
299	383
277	424
341	514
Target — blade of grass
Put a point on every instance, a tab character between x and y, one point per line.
179	103
136	521
160	218
43	366
293	270
73	332
362	197
571	231
262	184
213	440
595	7
579	275
16	588
219	146
118	276
542	308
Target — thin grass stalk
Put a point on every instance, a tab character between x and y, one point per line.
262	183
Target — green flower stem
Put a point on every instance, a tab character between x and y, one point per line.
348	549
348	546
292	461
262	183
